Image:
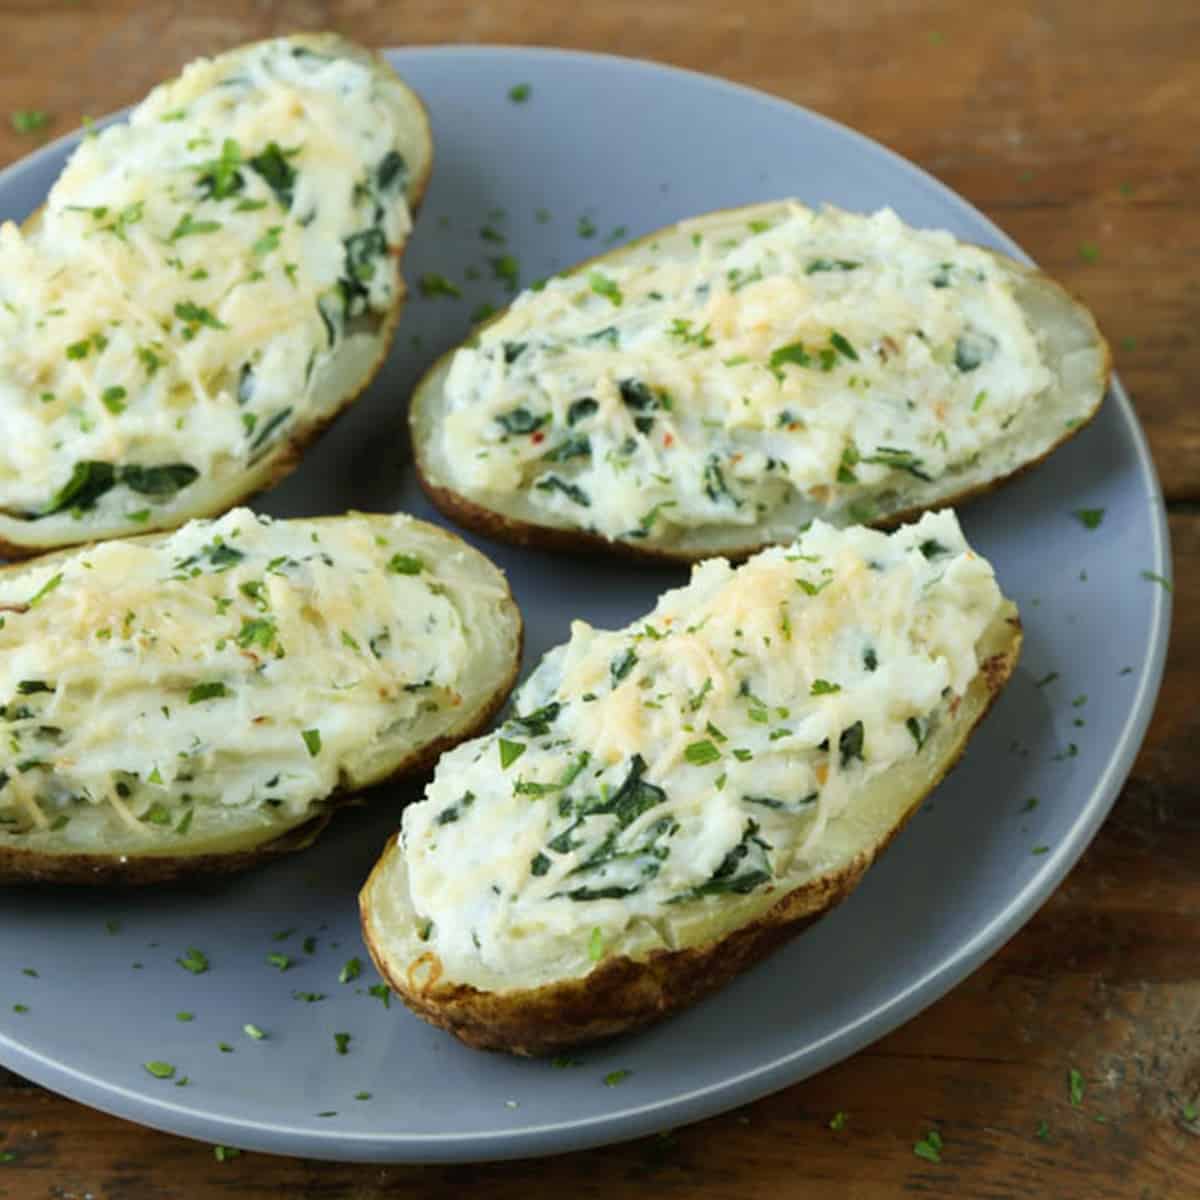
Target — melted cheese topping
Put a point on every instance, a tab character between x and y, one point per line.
699	753
710	379
238	663
168	314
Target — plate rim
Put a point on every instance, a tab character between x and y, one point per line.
764	1078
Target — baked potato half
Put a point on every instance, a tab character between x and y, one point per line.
713	387
206	288
201	700
675	799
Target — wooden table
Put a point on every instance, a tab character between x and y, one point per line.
1076	125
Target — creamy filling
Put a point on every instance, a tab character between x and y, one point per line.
712	378
238	663
169	314
700	753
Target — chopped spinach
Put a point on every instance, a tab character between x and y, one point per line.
391	172
715	487
521	421
831	264
572	491
269	427
735	874
89	481
278	174
362	249
160	481
538	722
622	665
898	460
578	446
972	350
581	409
850	743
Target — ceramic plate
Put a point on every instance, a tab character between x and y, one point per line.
602	149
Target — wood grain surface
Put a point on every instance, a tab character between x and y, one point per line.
1076	125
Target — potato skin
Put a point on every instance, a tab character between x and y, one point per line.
623	994
278	465
503	527
21	866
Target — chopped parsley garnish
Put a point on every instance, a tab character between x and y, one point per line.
226	1153
929	1147
1152	577
351	970
822	687
160	1070
1076	1087
280	962
507	270
702	753
194	316
188	226
437	285
838	1121
596	944
520	92
681	330
341	1042
1089	518
405	564
615	1077
931	548
794	353
602	285
220	178
252	1031
312	741
1089	252
30	120
207	691
258	632
194	960
113	398
510	752
585	227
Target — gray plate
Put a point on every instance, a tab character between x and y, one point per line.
637	145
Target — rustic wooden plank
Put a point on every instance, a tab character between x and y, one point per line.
1074	125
